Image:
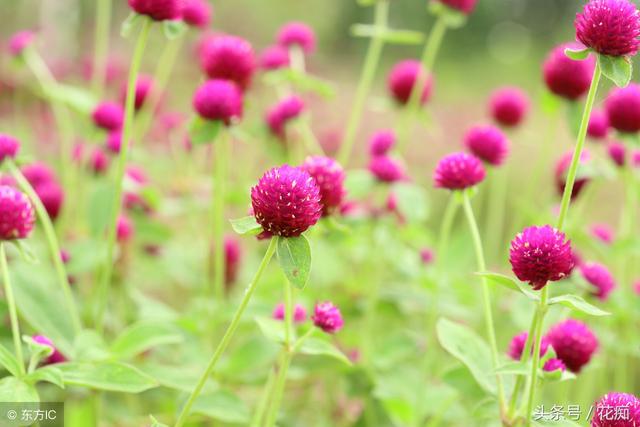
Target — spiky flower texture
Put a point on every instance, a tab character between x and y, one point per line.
574	343
616	410
458	171
609	27
329	177
17	216
327	317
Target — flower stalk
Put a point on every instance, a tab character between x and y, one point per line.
11	303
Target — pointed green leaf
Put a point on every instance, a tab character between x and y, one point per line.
155	422
403	37
317	346
129	24
110	376
272	329
294	256
618	69
577	54
14	390
578	303
509	283
513	368
174	29
246	225
143	336
222	406
413	202
204	131
9	361
50	374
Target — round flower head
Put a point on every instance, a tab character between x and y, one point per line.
38	173
617	153
230	58
616	410
516	346
381	142
158	10
299	313
567	77
329	177
9	147
464	6
509	106
274	57
598	276
458	171
124	229
297	34
386	169
636	287
539	255
114	141
488	143
20	41
17	217
598	125
327	317
623	108
286	201
403	77
108	116
55	356
602	232
232	258
427	256
196	13
143	88
98	161
284	111
552	365
218	100
562	168
574	343
52	197
610	27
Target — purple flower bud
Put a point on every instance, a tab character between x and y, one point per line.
108	116
196	13
229	58
9	147
283	112
56	356
552	365
403	77
458	171
17	217
567	77
158	10
381	142
562	168
574	343
610	27
327	317
299	313
516	346
623	108
297	34
20	41
598	276
218	100
602	232
488	143
274	57
598	125
509	106
329	177
617	153
464	6
386	169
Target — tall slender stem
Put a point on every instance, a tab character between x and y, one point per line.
101	48
446	226
533	377
222	346
486	295
524	358
105	280
372	58
221	158
11	303
52	242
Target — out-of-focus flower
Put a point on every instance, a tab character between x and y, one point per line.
403	77
488	143
218	100
567	77
327	317
297	34
230	58
599	277
299	313
458	171
17	217
623	108
509	106
329	177
574	343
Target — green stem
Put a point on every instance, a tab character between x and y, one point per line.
446	226
264	400
524	358
288	314
374	52
281	380
494	222
486	295
222	346
11	303
533	377
221	158
105	280
52	242
101	49
310	140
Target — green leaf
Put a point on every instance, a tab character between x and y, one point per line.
79	99
37	351
294	256
9	361
50	374
246	225
301	81
222	406
98	208
406	37
466	346
618	69
577	54
513	368
578	303
155	422
509	283
26	252
143	336
272	329
129	24
89	346
14	390
452	17
110	376
320	347
174	29
413	202
204	131
359	183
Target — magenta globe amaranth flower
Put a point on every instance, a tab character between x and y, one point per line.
196	13
458	171
509	106
274	57
382	142
386	169
598	125
539	255
282	113
108	116
327	317
297	34
574	343
616	410
567	77
516	346
20	41
403	77
488	143
610	27
228	57
636	287
562	168
17	216
143	88
51	195
617	153
9	147
232	259
55	356
427	256
329	177
598	276
38	173
218	100
299	313
286	201
158	10
124	229
464	6
553	365
602	232
623	108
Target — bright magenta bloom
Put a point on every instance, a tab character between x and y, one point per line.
458	171
124	229
381	142
617	153
598	125
274	57
283	112
329	177
17	217
574	343
56	356
566	77
327	317
297	34
20	41
299	313
196	13
9	147
108	116
488	143
610	27
286	201
144	86
464	6
599	277
516	346
158	10
554	365
232	259
218	100
403	77
386	169
539	255
509	106
602	232
623	108
616	410
228	57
